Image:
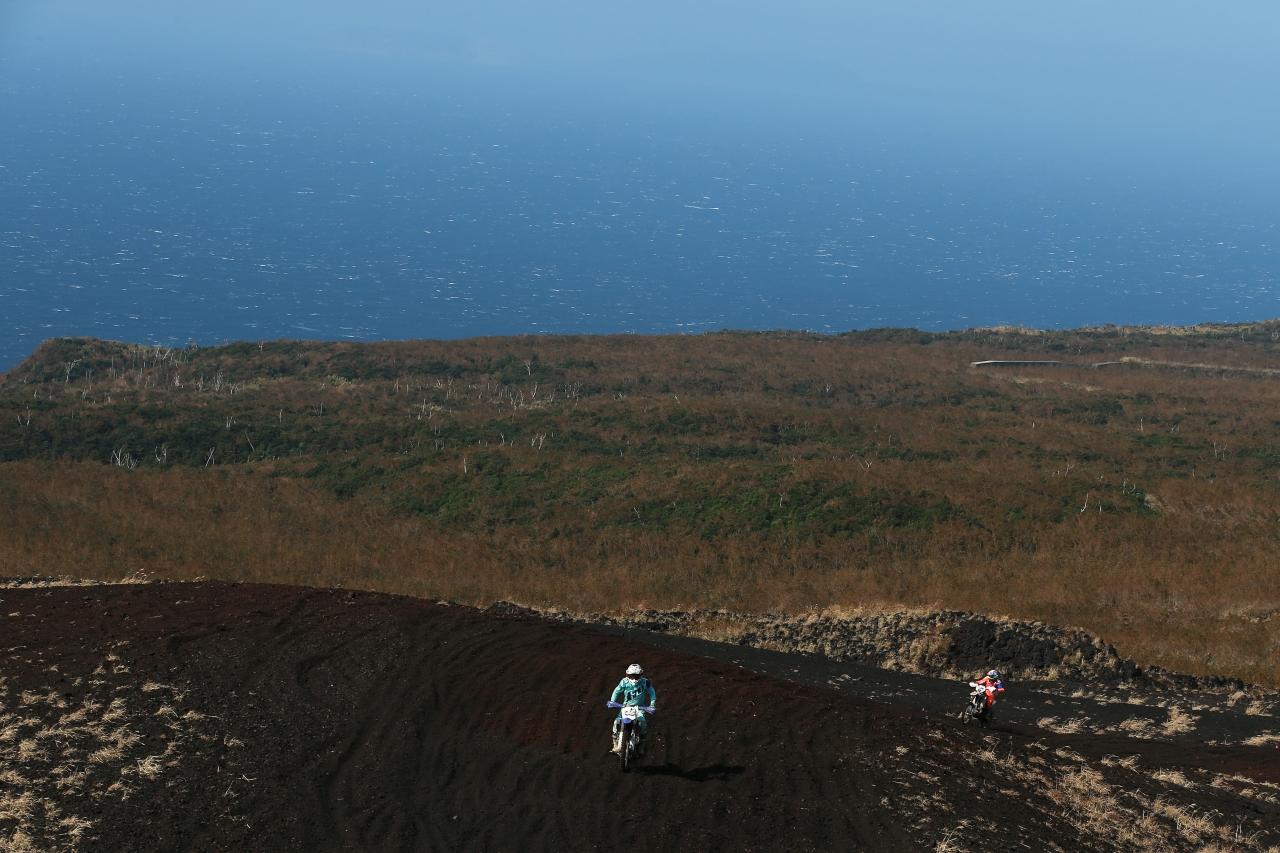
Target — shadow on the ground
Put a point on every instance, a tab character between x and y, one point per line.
699	774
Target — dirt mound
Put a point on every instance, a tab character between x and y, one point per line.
950	644
340	720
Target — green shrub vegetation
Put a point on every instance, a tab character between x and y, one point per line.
766	471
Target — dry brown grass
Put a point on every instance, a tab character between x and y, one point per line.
1138	727
1115	803
1179	722
19	842
1124	814
1173	557
289	532
953	839
1066	727
54	750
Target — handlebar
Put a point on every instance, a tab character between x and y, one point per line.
647	709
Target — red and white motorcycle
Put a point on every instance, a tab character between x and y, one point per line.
977	709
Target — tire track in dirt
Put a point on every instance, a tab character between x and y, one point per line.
513	750
383	723
334	755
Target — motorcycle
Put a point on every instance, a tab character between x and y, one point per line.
976	709
628	739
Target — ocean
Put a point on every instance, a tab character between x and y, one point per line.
166	219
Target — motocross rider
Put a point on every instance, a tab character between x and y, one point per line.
634	689
993	685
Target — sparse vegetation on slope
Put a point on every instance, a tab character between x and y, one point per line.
757	472
86	744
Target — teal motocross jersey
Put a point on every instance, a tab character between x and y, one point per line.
635	691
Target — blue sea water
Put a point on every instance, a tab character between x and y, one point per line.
166	219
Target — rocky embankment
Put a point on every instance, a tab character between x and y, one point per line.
947	644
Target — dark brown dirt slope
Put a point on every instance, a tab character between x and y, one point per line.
350	721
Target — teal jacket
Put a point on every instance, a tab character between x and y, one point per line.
634	692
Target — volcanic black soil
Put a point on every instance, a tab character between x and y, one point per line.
333	720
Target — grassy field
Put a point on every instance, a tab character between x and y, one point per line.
785	472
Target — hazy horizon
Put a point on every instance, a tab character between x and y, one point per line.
393	170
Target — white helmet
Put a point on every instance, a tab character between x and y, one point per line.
634	671
993	674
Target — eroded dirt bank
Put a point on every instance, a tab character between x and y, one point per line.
943	643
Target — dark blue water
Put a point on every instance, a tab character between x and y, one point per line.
167	219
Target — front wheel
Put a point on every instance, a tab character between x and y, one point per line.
624	754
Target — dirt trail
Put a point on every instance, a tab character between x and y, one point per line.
1213	737
355	721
